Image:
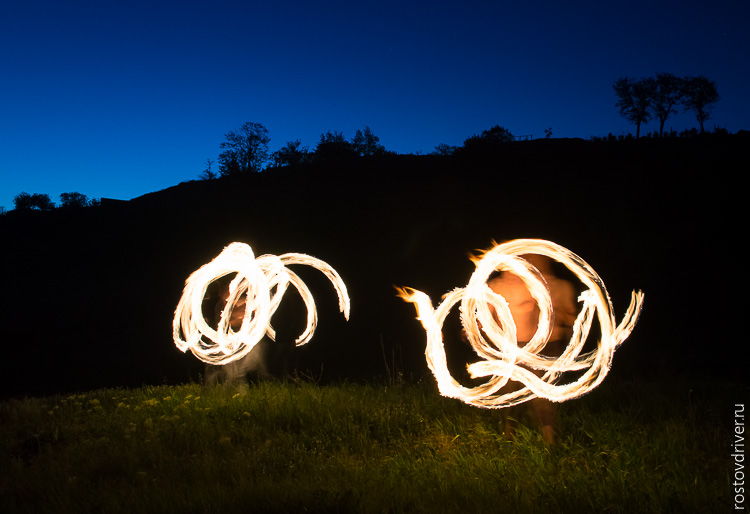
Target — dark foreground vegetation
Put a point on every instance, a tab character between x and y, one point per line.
647	447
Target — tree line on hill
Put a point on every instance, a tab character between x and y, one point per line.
640	100
246	150
25	202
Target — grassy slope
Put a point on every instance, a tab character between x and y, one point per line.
627	447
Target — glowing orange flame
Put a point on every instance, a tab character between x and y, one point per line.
253	284
496	340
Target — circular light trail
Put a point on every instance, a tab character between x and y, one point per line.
260	283
494	339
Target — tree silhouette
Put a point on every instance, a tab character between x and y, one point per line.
34	202
245	150
634	100
698	95
73	200
291	153
22	201
333	145
444	149
208	173
489	137
366	143
666	95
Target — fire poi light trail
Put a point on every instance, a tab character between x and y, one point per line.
494	339
261	284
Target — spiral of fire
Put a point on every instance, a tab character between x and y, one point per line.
494	338
259	284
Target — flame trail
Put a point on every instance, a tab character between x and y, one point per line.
254	282
497	342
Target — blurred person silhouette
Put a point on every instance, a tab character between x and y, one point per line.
267	360
542	412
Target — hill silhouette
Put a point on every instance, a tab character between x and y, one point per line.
89	294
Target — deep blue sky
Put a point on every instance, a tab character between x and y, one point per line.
118	99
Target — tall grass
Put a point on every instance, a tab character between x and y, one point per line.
399	447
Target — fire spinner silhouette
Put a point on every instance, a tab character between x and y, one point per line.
257	288
491	331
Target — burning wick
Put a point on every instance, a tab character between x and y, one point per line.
494	339
259	283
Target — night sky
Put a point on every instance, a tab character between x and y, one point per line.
119	99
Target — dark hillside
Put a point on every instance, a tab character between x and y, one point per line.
89	295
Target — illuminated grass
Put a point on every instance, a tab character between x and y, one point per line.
361	448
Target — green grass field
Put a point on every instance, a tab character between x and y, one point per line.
399	447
